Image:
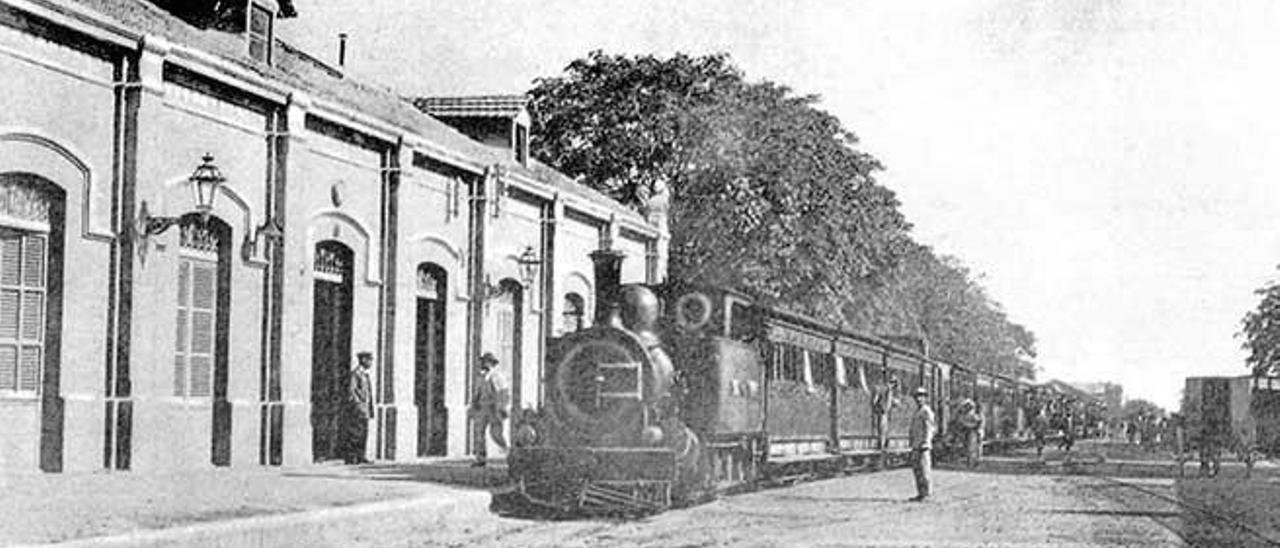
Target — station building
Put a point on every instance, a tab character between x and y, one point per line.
200	225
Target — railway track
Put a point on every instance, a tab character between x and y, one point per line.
1195	524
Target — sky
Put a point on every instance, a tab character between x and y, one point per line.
1107	167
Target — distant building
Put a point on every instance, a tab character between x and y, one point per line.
1220	407
1109	393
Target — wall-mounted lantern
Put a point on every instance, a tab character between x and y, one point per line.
529	263
204	182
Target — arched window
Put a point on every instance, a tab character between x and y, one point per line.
30	217
202	254
573	312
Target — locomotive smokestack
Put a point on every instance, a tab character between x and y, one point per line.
608	267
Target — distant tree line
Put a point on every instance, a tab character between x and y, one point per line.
768	194
1261	331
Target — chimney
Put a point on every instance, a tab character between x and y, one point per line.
342	49
608	269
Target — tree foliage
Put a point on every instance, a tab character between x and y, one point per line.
766	193
1132	409
938	298
1261	331
763	191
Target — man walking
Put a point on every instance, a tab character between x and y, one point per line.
489	407
921	433
359	410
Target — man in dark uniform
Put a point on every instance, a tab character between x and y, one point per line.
359	410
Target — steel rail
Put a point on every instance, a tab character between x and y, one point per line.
1217	518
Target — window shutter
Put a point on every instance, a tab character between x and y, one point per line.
506	326
202	282
8	367
180	375
29	369
201	376
33	261
32	316
9	314
10	253
195	330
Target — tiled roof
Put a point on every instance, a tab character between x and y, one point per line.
475	105
298	70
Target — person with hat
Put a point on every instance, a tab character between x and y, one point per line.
359	410
923	427
489	407
971	423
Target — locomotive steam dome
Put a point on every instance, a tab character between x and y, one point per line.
639	309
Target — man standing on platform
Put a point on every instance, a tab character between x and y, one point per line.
489	407
884	397
923	426
359	410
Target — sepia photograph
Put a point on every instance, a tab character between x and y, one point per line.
660	273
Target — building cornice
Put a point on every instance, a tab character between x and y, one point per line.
98	27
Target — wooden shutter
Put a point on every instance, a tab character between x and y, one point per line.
194	344
22	309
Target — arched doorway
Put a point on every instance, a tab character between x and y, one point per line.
429	361
503	335
330	346
32	218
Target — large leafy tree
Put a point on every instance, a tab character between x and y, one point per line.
763	191
766	193
938	298
1261	331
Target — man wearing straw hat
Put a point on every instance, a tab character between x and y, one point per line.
921	433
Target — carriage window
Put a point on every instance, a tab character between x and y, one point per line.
787	363
855	373
823	369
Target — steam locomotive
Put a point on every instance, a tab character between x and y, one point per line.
677	394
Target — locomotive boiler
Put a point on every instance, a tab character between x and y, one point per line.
609	438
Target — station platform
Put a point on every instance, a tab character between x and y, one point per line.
294	506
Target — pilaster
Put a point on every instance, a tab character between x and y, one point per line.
386	412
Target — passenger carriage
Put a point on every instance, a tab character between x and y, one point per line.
671	398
